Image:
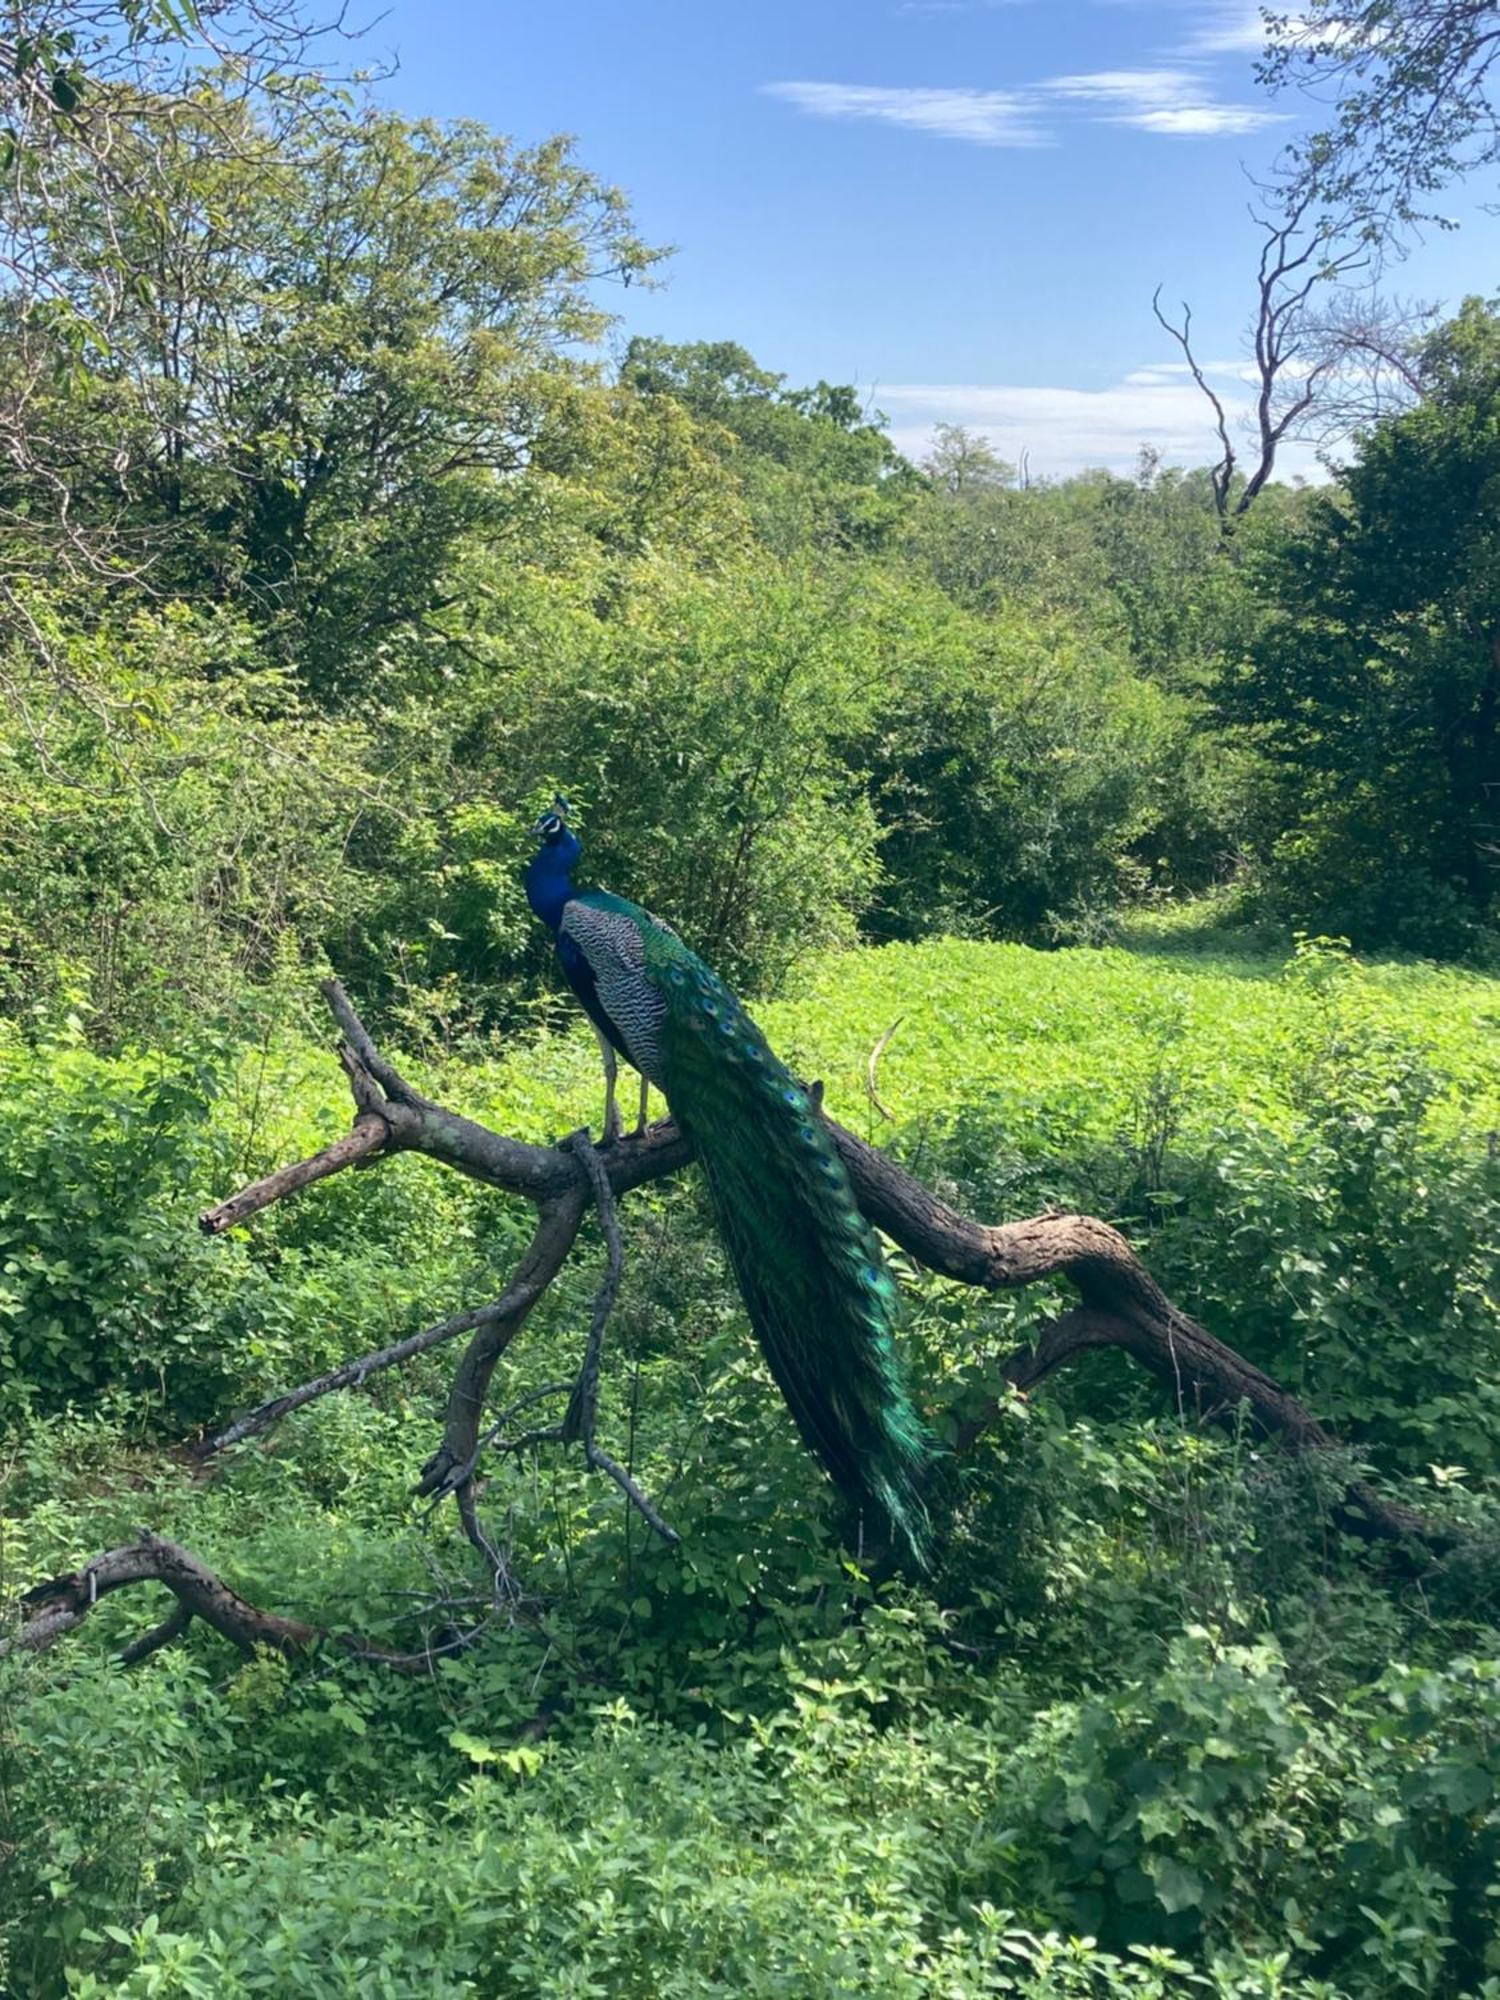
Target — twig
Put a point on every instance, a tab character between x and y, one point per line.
634	1493
353	1374
872	1068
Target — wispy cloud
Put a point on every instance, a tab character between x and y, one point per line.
1068	430
1164	374
1175	102
1235	27
1232	27
982	117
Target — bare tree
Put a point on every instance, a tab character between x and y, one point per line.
1292	363
1371	345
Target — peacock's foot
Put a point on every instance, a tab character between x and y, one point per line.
640	1123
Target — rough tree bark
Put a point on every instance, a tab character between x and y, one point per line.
1119	1305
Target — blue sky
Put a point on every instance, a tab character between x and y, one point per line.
962	205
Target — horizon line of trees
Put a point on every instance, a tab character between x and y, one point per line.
328	546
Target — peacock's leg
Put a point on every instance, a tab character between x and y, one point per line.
612	1120
640	1123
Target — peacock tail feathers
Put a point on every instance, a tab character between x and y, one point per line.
823	1304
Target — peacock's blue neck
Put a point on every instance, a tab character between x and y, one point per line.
549	878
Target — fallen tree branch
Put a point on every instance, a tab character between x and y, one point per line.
1120	1305
58	1606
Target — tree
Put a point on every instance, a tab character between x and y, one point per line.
963	464
816	465
326	363
1413	83
90	93
1295	354
1374	681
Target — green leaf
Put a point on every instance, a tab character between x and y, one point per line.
474	1748
1178	1887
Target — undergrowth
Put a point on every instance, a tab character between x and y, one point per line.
1156	1728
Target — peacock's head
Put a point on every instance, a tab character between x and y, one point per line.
557	838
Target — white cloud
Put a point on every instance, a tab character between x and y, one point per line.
1229	30
1127	86
1174	102
1068	430
1163	373
983	117
1235	27
1203	121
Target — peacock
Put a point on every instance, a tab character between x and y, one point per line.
820	1298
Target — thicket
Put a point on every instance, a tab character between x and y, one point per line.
375	559
1149	1700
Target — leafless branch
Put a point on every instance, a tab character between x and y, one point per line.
1317	339
61	1604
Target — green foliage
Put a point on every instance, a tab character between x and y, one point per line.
1373	680
167	843
1150	1700
1015	768
1412	104
1356	1256
100	1288
347	336
288	660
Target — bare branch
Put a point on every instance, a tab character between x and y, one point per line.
58	1606
872	1070
371	1132
1308	355
1223	472
354	1374
172	1628
582	1409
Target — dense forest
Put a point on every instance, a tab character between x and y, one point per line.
1117	847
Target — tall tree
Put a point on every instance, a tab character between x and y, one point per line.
306	364
1299	356
1374	682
